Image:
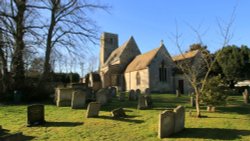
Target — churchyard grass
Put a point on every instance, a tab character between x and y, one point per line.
230	122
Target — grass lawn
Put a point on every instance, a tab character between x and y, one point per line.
231	122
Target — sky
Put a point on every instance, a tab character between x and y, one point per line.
150	21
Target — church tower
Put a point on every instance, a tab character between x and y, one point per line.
109	42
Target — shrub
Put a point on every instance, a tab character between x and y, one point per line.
215	92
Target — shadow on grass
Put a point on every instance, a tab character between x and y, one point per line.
127	119
62	124
6	136
241	109
212	133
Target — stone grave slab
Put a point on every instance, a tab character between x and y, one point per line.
78	99
102	96
93	109
149	101
166	124
113	91
35	115
179	118
64	97
147	91
142	104
132	95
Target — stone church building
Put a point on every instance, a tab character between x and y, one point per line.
127	68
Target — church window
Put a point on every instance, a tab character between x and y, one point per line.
138	79
111	41
163	72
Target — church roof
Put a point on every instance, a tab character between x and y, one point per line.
184	56
115	55
142	61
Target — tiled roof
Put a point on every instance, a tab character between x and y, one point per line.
142	61
184	56
117	52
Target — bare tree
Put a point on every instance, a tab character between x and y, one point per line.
198	69
16	19
69	27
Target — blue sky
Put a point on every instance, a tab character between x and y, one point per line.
152	21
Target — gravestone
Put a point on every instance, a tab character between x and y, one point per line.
56	94
102	96
113	91
142	104
179	118
78	99
246	96
64	97
132	95
35	115
149	101
93	109
138	92
178	93
122	96
147	91
118	113
166	124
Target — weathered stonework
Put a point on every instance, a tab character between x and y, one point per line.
64	96
166	124
93	109
78	99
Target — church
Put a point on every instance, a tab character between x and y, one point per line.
126	68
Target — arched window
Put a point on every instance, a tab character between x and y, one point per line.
138	79
163	72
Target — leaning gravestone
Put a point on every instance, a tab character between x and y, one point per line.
142	104
166	124
93	109
118	113
245	96
179	118
122	96
35	115
64	96
102	96
78	99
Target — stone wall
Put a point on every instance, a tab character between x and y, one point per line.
130	79
155	84
109	42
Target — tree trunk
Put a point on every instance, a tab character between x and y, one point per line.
18	63
47	66
197	104
4	71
